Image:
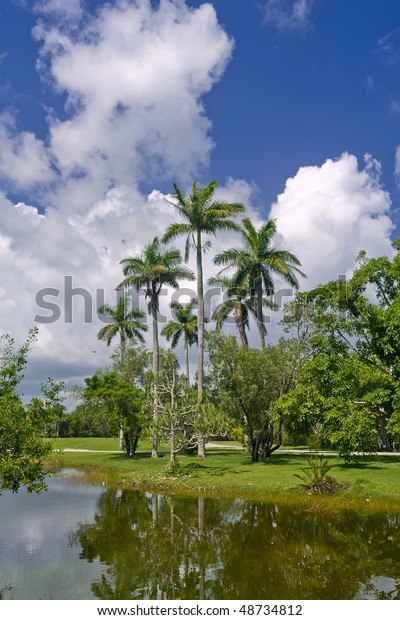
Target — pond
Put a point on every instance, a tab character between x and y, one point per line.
78	541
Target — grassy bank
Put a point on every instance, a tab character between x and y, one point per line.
372	481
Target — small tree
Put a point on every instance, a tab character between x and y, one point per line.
248	382
122	401
22	448
181	421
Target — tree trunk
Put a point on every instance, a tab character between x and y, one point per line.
156	367
255	449
201	452
172	446
260	318
122	352
187	361
383	439
240	324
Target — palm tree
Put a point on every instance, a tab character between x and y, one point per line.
185	325
155	267
201	214
124	322
255	263
236	303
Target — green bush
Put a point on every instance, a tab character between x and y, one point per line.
315	477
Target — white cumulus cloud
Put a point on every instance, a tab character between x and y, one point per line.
327	213
134	76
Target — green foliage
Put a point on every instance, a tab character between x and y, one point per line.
246	383
347	397
119	402
180	419
201	213
157	266
256	262
134	365
351	386
22	448
315	475
124	320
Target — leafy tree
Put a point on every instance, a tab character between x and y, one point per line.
135	366
185	325
89	419
22	448
347	399
201	215
356	347
156	267
248	382
300	320
121	400
255	262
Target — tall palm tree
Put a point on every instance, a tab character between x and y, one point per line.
201	215
155	267
184	326
255	262
125	322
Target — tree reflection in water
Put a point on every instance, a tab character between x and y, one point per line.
159	547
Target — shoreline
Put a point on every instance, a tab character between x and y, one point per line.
231	475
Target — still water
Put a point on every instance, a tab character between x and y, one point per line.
79	542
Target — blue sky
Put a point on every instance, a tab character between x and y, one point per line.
293	94
292	105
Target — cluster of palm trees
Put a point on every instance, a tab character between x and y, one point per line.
247	291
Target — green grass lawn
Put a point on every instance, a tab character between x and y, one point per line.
229	472
87	443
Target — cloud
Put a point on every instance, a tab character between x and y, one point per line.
328	213
395	106
289	15
389	46
70	10
134	78
397	165
24	159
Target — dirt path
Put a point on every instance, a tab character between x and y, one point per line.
224	447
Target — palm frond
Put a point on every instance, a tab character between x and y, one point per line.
176	230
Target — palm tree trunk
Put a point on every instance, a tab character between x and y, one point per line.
187	360
122	351
260	318
156	368
201	453
240	324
